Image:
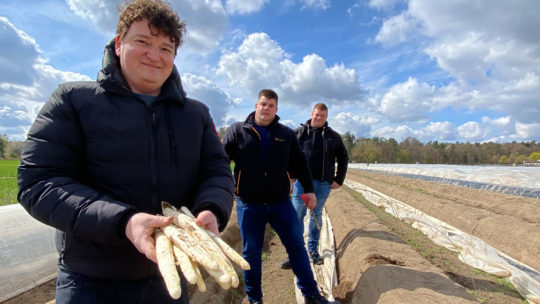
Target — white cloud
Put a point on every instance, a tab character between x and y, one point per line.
397	29
382	4
472	131
289	123
359	125
488	49
103	14
244	6
255	64
316	4
506	20
407	101
206	21
259	62
18	54
202	89
441	131
529	82
24	89
312	79
398	133
503	124
527	131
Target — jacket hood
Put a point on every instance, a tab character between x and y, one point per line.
111	78
250	120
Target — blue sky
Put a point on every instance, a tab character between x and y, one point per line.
451	71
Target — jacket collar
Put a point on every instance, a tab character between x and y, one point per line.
308	125
110	77
250	120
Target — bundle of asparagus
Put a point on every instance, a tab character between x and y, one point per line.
189	246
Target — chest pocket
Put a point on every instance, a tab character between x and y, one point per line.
330	145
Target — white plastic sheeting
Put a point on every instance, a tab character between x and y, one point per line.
472	251
515	176
325	274
28	255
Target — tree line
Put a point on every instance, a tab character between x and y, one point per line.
9	149
410	150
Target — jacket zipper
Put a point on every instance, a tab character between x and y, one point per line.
153	161
325	147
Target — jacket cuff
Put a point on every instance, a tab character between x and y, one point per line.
123	223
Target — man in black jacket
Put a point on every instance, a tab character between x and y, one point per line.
101	156
323	148
266	156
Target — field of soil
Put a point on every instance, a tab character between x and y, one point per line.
382	260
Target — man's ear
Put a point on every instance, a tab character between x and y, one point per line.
117	45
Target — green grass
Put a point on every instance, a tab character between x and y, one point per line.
8	181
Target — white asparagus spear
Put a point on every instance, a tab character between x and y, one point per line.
167	267
190	246
185	265
200	282
227	250
202	235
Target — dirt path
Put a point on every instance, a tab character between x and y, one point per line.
382	260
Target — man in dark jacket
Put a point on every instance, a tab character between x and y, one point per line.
101	156
323	148
266	156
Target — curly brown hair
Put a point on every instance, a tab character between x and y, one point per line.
160	16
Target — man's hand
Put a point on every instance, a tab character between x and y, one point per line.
139	231
335	185
310	200
208	220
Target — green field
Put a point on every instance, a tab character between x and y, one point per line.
8	181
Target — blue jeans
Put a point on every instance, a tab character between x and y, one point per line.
322	191
76	288
252	219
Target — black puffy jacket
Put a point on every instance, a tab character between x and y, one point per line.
259	183
333	150
97	154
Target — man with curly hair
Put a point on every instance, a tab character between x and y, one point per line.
102	155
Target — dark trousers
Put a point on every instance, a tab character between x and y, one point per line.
76	288
252	219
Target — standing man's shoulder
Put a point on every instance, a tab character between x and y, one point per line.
235	126
196	105
287	130
80	87
231	133
76	93
333	132
300	131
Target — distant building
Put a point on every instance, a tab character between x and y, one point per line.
531	163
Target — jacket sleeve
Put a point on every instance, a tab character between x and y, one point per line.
216	187
51	177
300	167
229	142
342	161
